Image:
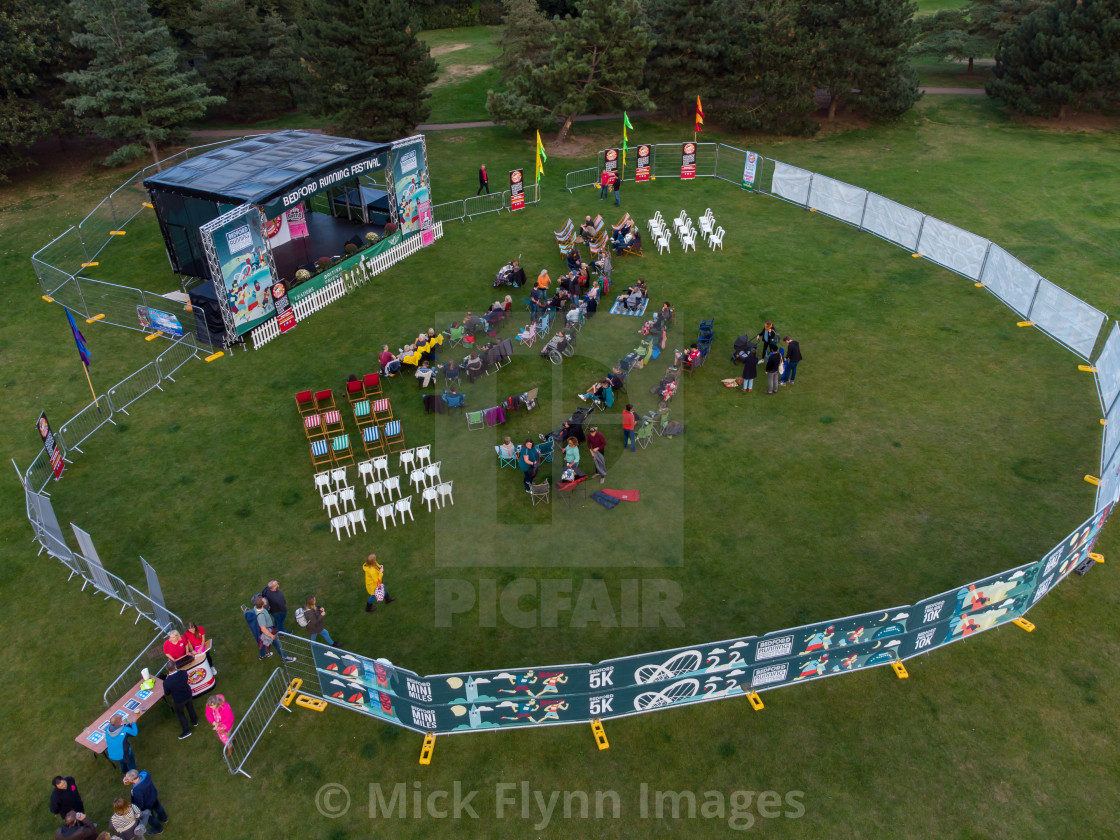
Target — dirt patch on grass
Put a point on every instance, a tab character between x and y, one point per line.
574	146
1076	122
446	48
455	73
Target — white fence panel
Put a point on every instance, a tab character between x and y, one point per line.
837	199
1110	482
1010	280
791	183
1108	369
1111	435
892	221
953	247
1066	318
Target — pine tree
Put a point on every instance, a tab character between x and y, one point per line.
248	55
133	91
368	71
971	32
596	61
862	44
690	50
1063	56
525	37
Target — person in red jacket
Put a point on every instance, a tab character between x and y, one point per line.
604	184
628	424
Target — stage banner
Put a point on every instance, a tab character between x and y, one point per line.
750	167
297	222
318	183
410	189
156	320
641	171
244	262
50	445
688	161
285	315
516	189
610	161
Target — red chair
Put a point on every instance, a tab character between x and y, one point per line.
354	391
305	403
324	400
372	384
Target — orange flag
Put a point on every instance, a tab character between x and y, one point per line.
699	115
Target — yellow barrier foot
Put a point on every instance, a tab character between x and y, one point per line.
1026	625
290	694
812	209
915	256
1025	324
97	317
600	735
755	700
980	285
89	265
428	748
147	204
315	704
1099	558
116	233
900	670
1092	479
1104	422
214	356
48	298
1086	368
153	336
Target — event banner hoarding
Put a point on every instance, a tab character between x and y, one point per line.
285	315
688	161
156	320
516	189
50	445
610	160
750	169
411	190
245	262
641	171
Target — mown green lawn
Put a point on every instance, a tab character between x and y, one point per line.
928	442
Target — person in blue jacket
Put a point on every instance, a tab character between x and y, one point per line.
146	798
117	746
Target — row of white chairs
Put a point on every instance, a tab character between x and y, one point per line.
438	495
659	232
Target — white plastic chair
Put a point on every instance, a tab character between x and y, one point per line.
323	483
688	239
384	513
423	455
365	471
405	506
392	483
407	459
445	490
432	471
663	243
357	517
381	465
679	222
347	498
375	489
716	239
707	223
331	500
339	478
431	495
340	522
417	478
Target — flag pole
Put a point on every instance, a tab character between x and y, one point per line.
90	381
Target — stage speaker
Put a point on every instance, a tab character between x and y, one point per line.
209	327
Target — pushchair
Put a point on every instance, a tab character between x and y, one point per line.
560	345
743	349
504	276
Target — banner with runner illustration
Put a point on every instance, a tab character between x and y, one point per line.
516	189
688	161
411	190
641	171
242	266
750	167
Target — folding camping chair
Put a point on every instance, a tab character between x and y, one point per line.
363	416
320	453
504	461
372	440
313	426
382	410
394	435
529	398
539	493
305	403
341	451
354	391
475	420
324	400
455	400
332	421
371	383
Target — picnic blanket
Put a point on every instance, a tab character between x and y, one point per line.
626	495
619	308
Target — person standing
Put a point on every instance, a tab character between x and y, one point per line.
616	183
750	371
175	646
196	639
178	686
269	637
528	462
313	615
146	798
483	180
277	604
126	819
65	797
628	423
219	713
793	356
773	371
117	745
76	826
598	446
604	184
769	339
375	583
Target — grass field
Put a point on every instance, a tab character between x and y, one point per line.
928	442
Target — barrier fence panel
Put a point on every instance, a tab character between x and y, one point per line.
1066	319
892	221
1108	370
133	387
254	721
730	162
449	211
58	260
40	473
581	178
1109	487
837	199
87	421
97	226
174	357
157	614
1010	280
478	204
127	677
952	247
791	183
1111	437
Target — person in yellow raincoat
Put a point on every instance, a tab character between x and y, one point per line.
375	583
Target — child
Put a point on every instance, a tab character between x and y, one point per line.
220	715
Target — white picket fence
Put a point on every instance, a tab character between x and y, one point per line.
363	272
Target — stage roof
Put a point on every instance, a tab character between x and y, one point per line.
275	171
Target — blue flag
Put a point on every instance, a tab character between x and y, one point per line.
79	339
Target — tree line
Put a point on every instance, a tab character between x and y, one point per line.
136	72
